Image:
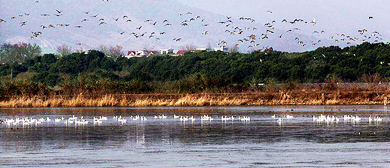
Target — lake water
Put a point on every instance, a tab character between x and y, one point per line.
156	142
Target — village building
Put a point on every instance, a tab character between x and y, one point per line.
141	53
171	52
222	48
166	51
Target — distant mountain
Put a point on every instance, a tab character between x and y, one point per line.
116	29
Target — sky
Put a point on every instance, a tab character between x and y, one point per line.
332	16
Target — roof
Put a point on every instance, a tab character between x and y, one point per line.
182	52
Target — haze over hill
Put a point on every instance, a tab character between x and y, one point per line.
117	30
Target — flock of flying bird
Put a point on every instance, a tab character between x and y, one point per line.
248	36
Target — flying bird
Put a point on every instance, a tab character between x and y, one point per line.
314	22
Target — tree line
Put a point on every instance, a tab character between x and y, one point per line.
97	72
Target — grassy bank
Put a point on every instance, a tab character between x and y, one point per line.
295	97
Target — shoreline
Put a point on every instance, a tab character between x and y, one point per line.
296	97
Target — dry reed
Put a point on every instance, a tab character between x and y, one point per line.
211	99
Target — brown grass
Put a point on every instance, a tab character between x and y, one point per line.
296	97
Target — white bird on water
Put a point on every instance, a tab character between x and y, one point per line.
378	119
192	118
289	117
183	118
280	120
244	118
97	120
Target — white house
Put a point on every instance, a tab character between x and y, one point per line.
147	53
222	48
166	51
140	53
201	49
131	54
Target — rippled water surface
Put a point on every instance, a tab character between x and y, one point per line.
157	142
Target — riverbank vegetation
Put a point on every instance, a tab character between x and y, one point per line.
295	97
362	70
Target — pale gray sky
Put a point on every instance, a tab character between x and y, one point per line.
331	15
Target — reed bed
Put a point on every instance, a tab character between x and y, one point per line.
204	99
